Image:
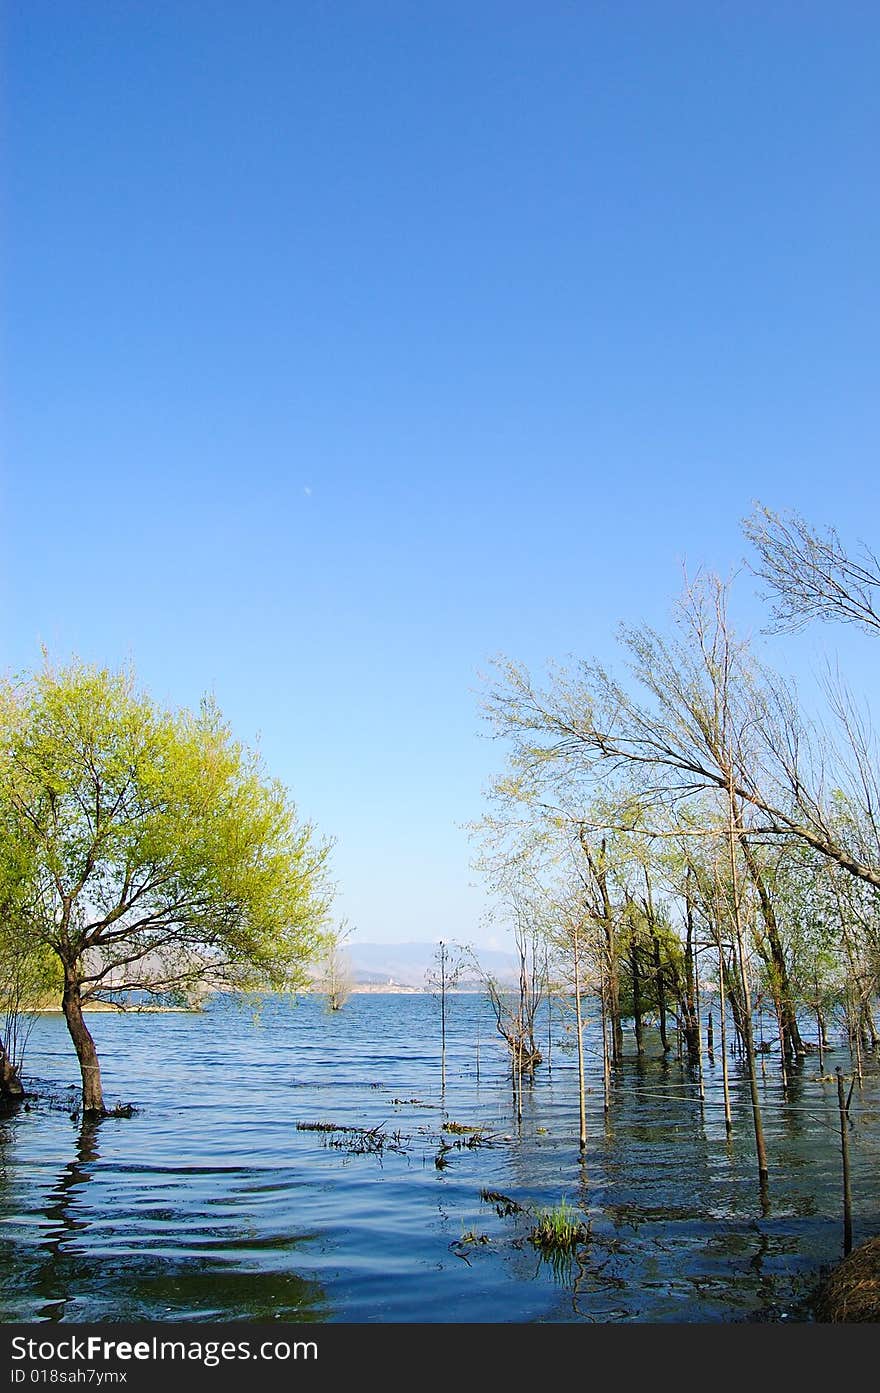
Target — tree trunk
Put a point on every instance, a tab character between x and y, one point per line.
606	1063
636	992
11	1089
778	968
748	1035
614	999
733	987
697	1043
689	997
71	1005
725	1079
442	1022
660	983
605	916
582	1091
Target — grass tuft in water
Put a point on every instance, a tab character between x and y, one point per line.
559	1229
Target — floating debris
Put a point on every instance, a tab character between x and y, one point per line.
357	1141
504	1205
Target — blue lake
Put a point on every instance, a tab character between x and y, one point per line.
220	1199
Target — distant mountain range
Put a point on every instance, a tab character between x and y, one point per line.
412	964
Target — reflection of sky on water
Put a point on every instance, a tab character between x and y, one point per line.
212	1203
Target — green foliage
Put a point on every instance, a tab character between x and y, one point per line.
559	1228
29	971
148	847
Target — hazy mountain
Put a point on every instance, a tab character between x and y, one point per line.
410	964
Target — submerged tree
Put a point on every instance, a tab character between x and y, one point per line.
442	979
714	816
571	931
153	850
27	977
28	971
695	735
337	977
516	1009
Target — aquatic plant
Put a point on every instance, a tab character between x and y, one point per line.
559	1228
357	1141
504	1205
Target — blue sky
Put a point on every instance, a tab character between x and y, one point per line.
347	345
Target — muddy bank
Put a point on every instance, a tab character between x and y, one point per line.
852	1291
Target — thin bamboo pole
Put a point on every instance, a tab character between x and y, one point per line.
844	1152
725	1082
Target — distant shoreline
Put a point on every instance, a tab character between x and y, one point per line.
361	989
120	1010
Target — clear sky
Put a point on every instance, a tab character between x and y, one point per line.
348	344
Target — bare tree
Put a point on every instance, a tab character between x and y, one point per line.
702	732
811	574
726	735
516	1008
702	727
664	732
443	979
337	977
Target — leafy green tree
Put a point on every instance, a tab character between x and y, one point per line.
28	975
28	971
153	852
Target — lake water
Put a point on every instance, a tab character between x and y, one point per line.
219	1199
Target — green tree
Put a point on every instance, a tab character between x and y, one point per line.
154	854
28	971
28	976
